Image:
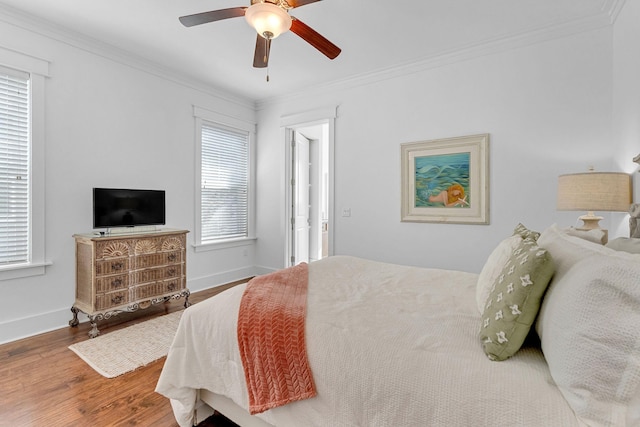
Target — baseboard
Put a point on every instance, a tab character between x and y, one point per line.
218	279
259	270
25	327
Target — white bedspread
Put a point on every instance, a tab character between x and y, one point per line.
388	345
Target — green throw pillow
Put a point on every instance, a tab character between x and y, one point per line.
525	232
514	300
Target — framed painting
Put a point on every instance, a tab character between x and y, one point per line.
446	180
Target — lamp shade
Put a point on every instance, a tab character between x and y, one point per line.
268	19
594	191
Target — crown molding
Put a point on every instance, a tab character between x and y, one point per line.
462	53
606	17
16	18
613	8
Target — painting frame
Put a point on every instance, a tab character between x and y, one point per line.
446	180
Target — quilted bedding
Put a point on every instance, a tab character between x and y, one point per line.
388	345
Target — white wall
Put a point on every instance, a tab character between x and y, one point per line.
110	125
626	96
546	105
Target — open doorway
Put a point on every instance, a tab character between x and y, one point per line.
309	193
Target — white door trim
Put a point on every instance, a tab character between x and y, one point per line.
315	117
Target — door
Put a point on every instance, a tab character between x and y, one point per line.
301	223
309	190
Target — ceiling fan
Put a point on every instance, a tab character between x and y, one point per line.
270	18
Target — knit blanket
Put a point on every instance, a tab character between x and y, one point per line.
271	338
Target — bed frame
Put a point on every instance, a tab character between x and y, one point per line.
228	408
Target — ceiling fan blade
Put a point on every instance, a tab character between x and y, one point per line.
312	37
211	16
261	56
298	3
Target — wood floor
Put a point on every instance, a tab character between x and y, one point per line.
43	383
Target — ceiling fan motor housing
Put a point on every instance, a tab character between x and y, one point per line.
269	19
281	3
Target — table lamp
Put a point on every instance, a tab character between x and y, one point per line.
594	191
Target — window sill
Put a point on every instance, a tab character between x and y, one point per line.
18	271
224	244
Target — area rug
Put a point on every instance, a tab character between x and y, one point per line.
124	350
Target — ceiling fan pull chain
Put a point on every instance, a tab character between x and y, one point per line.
266	53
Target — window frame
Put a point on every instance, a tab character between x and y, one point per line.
38	70
203	116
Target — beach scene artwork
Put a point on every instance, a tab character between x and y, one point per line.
443	181
446	180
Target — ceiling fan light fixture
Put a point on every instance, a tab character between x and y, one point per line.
268	19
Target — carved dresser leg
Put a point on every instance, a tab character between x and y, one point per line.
94	332
186	293
74	322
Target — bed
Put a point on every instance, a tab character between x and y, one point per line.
392	345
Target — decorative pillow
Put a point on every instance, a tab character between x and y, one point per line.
591	338
525	232
514	301
625	244
493	267
496	262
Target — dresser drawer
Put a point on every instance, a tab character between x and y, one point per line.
112	266
159	288
161	258
112	299
112	283
155	274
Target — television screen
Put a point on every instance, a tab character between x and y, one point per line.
117	207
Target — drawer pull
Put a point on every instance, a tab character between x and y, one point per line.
117	267
171	286
117	299
116	283
172	257
171	272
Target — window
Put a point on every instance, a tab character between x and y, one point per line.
224	197
22	88
224	182
14	167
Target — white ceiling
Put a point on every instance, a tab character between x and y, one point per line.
374	35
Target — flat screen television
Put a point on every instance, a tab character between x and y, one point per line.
118	207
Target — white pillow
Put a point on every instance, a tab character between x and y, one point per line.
591	338
493	267
626	244
597	235
565	251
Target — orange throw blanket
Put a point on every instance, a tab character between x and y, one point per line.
271	323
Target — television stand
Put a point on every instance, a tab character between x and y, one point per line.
132	230
128	272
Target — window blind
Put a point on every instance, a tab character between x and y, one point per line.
14	166
224	183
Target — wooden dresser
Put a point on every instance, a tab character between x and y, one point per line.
127	272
